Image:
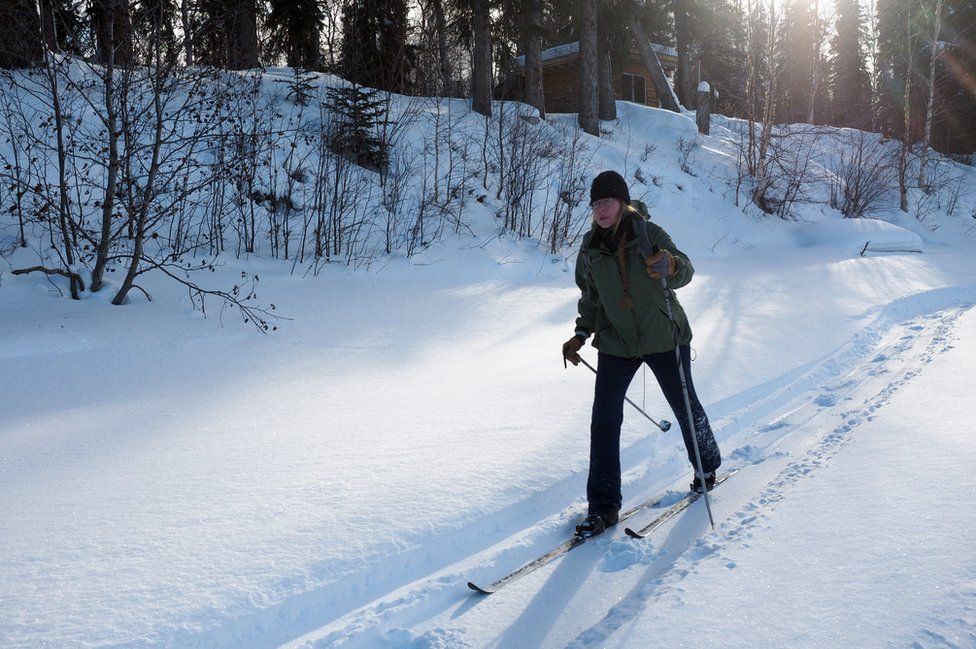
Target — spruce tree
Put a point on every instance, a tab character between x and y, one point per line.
954	127
227	34
20	34
796	62
850	85
112	25
294	26
156	20
359	113
720	27
374	43
62	26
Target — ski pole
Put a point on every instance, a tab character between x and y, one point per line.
684	391
664	424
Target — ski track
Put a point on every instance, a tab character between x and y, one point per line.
739	527
378	603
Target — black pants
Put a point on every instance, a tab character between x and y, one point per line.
612	379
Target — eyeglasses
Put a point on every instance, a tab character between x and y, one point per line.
603	204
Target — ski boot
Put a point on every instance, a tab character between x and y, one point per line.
595	523
709	483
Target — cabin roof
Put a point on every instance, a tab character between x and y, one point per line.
569	49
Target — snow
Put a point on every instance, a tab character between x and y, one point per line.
851	234
170	480
703	87
891	482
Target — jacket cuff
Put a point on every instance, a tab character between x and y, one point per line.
582	333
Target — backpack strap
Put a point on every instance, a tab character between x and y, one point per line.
640	230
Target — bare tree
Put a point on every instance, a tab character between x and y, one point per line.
862	170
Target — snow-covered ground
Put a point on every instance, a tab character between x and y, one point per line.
168	481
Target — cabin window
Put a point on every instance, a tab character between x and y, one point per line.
634	88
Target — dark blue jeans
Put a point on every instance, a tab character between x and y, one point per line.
613	376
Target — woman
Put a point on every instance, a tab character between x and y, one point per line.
623	305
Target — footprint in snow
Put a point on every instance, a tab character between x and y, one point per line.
439	638
750	453
624	553
825	401
670	497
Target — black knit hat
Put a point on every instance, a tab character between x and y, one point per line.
609	184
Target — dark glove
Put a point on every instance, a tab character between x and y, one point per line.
571	350
660	264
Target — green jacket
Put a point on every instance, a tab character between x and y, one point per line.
644	328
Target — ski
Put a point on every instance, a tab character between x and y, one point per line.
673	510
558	551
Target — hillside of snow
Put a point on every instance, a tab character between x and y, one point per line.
169	479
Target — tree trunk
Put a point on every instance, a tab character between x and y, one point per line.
704	111
817	61
661	86
113	32
588	92
187	31
20	34
934	48
440	23
907	135
682	34
608	104
49	25
534	95
108	198
481	66
63	215
241	30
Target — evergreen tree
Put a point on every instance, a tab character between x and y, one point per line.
481	57
850	85
112	25
899	26
20	34
62	25
374	43
683	41
393	45
588	103
226	34
954	127
720	27
796	61
294	26
359	113
156	20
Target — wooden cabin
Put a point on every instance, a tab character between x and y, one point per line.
560	77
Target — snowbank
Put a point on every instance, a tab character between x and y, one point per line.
855	234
